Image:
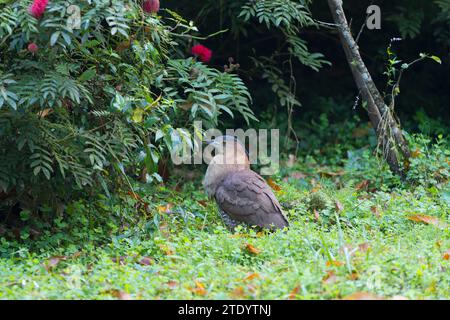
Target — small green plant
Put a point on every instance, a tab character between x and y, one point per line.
430	162
395	69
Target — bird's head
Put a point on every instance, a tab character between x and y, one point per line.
229	150
229	155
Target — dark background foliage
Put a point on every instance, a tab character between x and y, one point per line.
423	25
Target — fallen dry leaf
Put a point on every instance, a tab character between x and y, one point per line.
45	112
363	185
75	255
146	261
294	293
52	262
375	211
331	174
364	247
330	278
252	276
172	284
446	255
273	185
238	292
316	215
199	289
428	220
203	203
121	295
351	250
334	263
362	296
167	251
416	153
251	289
316	188
251	249
134	195
338	205
165	209
353	276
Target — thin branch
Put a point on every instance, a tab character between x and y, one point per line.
363	26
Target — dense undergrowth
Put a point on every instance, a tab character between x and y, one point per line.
352	235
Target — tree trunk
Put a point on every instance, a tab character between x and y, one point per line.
389	134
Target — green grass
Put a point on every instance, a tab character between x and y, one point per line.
193	256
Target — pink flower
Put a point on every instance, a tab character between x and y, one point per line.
151	6
33	48
37	8
202	52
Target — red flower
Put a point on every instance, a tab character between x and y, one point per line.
37	8
202	52
151	6
33	48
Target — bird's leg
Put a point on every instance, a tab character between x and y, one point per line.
229	222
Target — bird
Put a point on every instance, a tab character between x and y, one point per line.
242	195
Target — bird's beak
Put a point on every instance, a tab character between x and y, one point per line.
210	143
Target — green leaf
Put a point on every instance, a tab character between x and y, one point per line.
87	75
25	215
138	115
437	59
54	38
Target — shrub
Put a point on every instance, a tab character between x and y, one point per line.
92	90
430	162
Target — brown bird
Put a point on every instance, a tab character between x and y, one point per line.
242	195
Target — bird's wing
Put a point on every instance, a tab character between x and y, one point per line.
246	197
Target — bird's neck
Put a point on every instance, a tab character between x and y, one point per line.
218	168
